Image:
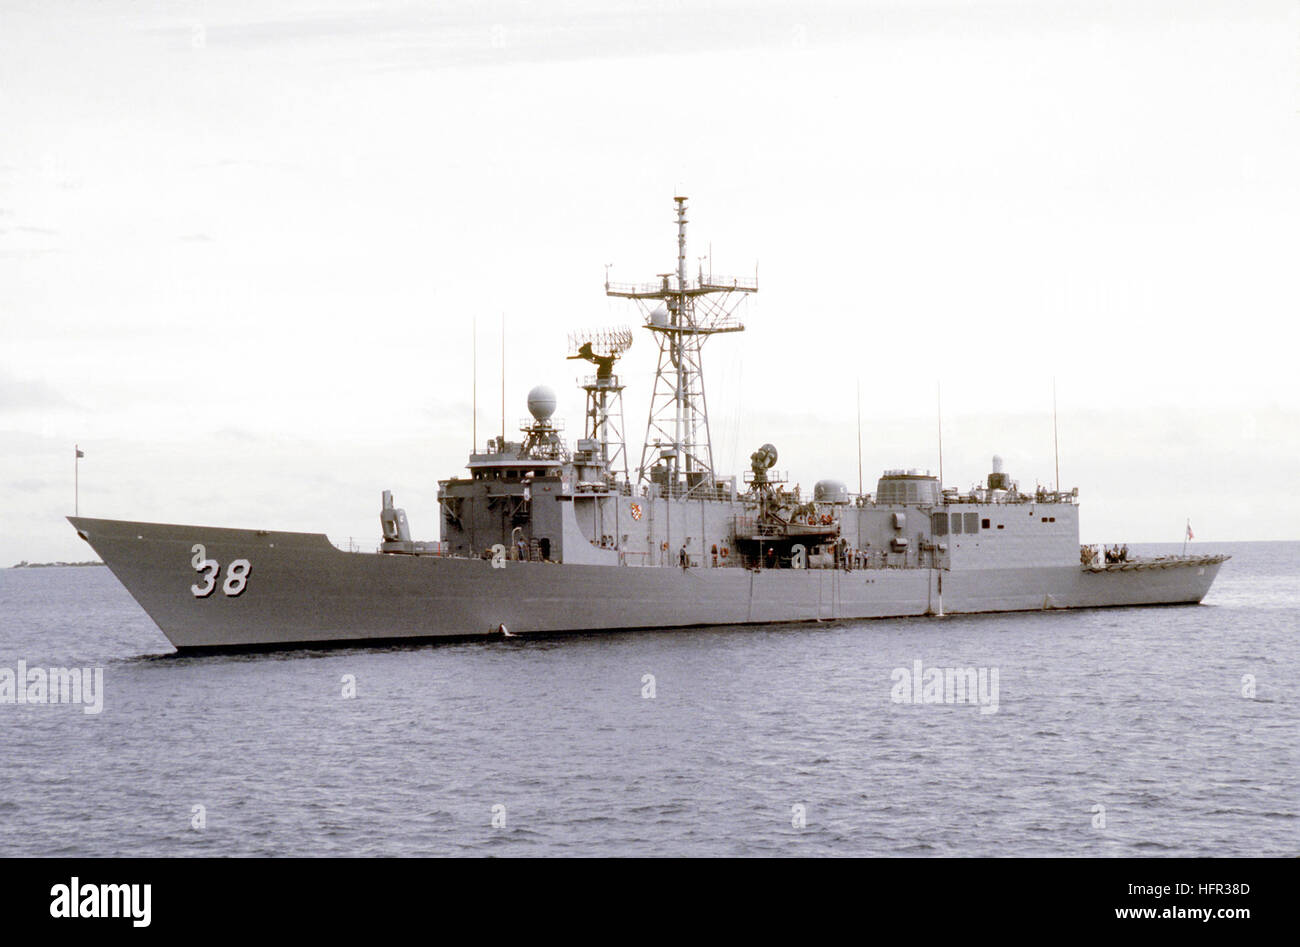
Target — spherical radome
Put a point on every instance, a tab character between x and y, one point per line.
541	403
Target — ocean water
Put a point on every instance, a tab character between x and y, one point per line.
779	740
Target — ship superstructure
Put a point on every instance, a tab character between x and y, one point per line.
540	502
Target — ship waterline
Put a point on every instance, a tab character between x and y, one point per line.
299	589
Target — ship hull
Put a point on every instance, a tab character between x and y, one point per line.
299	589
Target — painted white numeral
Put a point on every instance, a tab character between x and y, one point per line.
498	556
236	573
236	576
208	568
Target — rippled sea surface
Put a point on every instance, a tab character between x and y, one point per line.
1139	711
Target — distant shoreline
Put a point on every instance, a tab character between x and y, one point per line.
53	565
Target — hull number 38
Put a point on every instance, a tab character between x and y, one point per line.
209	569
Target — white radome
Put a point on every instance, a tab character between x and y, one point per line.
541	403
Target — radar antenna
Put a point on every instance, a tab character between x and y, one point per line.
604	347
682	313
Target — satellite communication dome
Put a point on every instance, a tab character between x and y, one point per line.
659	316
541	403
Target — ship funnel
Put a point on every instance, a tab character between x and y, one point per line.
998	480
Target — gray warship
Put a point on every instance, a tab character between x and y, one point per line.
543	538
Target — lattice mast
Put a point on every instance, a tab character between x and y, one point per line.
604	416
677	436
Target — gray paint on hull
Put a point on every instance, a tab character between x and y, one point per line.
301	589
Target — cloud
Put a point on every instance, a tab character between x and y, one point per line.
239	435
24	394
29	485
14	254
25	239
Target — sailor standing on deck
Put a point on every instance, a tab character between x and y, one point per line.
682	557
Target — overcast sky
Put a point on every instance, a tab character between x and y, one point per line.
242	245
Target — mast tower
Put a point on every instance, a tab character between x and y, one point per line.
683	313
603	347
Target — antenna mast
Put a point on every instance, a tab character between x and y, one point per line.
938	395
1056	440
860	440
678	448
503	381
473	447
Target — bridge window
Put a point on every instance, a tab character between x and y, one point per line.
939	524
956	523
972	522
984	524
